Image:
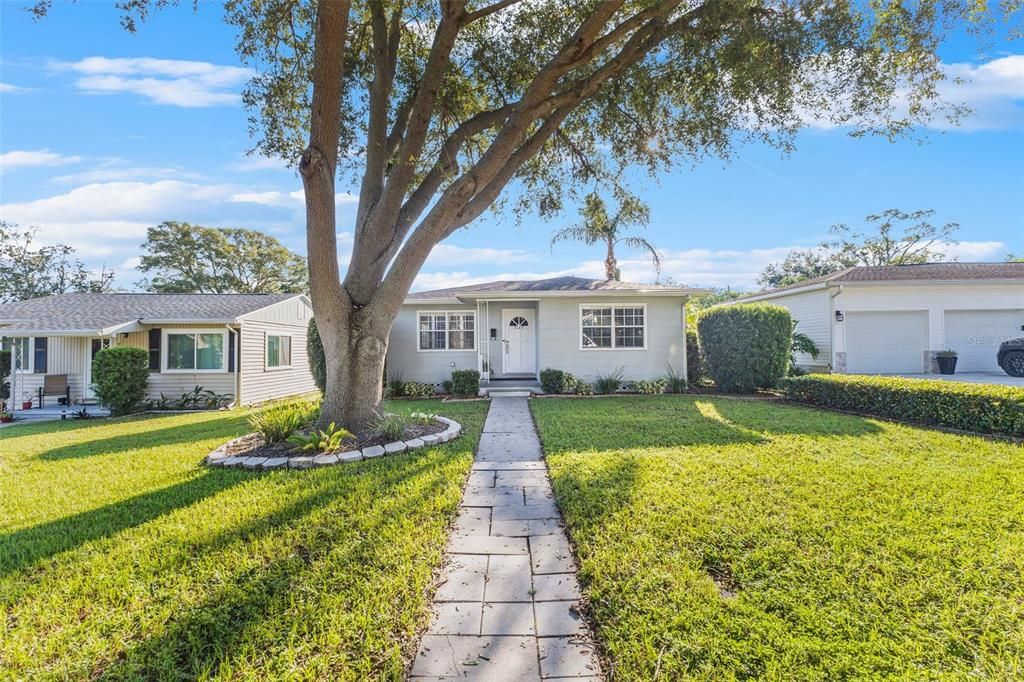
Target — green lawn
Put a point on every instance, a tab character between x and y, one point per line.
122	557
725	539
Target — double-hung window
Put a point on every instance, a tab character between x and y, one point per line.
22	353
446	330
195	351
613	326
279	351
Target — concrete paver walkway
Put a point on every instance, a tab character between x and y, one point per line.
508	608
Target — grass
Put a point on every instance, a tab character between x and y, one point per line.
122	557
727	539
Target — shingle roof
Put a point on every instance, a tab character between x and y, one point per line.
102	311
923	272
554	284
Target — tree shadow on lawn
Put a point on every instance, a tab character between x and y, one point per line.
223	628
225	427
27	546
782	419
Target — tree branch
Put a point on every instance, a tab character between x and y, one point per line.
489	10
376	134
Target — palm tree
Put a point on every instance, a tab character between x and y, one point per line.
598	228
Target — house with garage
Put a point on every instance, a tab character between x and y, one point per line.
893	319
249	346
511	330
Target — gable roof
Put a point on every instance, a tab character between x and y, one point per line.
922	272
104	313
554	286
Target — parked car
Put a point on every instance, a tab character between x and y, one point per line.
1011	357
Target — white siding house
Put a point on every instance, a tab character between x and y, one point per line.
510	331
251	347
894	319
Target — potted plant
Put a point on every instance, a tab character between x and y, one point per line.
947	361
6	417
485	372
26	401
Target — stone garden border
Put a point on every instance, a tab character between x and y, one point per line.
218	458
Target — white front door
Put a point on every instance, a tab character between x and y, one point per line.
94	347
518	340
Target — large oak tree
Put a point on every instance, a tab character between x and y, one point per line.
435	107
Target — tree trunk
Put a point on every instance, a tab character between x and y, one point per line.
611	266
355	371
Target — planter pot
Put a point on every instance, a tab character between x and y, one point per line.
6	419
947	365
26	405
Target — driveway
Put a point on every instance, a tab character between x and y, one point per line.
998	378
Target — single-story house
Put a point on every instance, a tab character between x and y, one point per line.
249	346
893	319
511	330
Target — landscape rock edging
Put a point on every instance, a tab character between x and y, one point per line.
219	457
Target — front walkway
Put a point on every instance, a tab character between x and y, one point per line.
508	608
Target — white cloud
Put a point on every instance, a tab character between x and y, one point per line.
40	157
10	88
283	199
111	210
115	169
174	82
972	252
450	254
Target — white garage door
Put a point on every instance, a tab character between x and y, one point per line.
886	343
976	335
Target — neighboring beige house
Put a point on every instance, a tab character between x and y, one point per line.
249	346
893	319
511	330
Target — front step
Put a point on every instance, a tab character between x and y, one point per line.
510	391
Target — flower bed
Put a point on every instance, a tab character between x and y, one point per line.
252	452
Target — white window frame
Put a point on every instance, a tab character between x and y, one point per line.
165	333
266	348
447	313
30	343
613	306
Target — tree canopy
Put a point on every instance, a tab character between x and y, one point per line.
433	108
29	271
598	227
186	258
897	238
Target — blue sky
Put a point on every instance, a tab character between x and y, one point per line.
103	133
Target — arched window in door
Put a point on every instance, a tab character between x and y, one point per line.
518	322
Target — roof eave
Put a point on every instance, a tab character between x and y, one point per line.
533	295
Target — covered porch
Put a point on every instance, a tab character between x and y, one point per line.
50	374
508	353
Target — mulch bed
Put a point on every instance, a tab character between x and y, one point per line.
253	445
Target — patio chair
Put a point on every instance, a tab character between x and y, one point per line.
55	385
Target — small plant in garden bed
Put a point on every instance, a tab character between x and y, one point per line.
650	387
415	389
607	384
321	440
558	382
198	398
286	430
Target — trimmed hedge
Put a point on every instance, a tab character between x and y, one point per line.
745	346
694	362
970	407
465	383
119	377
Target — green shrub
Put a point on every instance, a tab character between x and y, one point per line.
395	385
606	384
317	358
322	440
674	381
650	387
414	389
119	377
694	362
553	381
970	407
745	346
278	422
578	386
390	425
465	383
